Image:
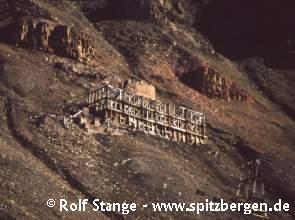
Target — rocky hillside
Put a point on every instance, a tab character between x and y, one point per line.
206	55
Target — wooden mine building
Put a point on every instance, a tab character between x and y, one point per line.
123	108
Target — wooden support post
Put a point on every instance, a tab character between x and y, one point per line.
167	120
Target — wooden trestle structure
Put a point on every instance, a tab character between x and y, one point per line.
122	108
251	186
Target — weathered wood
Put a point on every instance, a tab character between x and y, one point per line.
251	186
176	123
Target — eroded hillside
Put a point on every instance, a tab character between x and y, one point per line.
52	52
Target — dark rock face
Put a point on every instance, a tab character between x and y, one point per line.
38	86
157	11
20	8
240	28
272	83
69	42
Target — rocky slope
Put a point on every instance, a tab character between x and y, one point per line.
53	51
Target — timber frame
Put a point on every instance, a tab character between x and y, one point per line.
251	186
122	108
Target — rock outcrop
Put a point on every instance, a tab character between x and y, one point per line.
209	81
67	41
50	37
38	89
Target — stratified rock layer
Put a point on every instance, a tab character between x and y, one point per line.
208	81
50	37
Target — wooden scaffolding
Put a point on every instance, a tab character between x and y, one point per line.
251	186
123	108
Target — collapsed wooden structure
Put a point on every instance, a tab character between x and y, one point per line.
251	185
123	108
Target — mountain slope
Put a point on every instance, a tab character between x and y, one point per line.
51	54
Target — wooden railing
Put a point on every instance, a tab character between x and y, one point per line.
175	122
